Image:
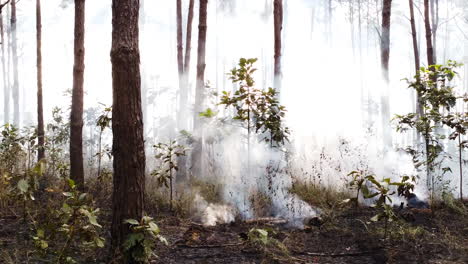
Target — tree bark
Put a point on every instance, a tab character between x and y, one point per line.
417	63
180	46
200	88
434	9
6	88
40	110
385	58
14	48
76	118
427	25
188	39
278	26
385	37
127	124
182	114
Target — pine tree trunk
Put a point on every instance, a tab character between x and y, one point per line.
278	26
434	9
180	45
14	48
76	119
200	88
183	116
40	110
127	124
188	39
6	88
427	24
385	58
417	59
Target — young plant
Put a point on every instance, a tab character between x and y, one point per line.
168	153
458	122
77	224
257	109
103	122
58	133
435	95
358	181
383	202
140	244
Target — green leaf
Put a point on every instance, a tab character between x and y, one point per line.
131	222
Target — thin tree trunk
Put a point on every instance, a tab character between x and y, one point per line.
385	58
14	48
188	40
200	87
417	59
427	24
180	46
434	9
183	117
278	26
6	88
40	110
460	162
127	122
76	119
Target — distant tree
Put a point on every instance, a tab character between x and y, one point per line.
127	123
385	58
278	26
14	49
200	87
6	88
183	63
40	109
76	117
427	24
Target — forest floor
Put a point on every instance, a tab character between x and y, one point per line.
345	236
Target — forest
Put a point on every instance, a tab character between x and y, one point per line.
233	131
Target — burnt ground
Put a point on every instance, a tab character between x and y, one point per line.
345	236
429	237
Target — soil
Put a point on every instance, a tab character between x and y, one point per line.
439	236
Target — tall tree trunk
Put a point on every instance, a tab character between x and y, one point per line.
188	38
14	48
183	116
40	110
180	45
427	24
417	61
278	26
434	9
76	119
385	58
6	88
430	62
127	121
200	87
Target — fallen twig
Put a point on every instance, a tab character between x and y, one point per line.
344	254
209	246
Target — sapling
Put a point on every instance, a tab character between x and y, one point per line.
103	122
140	243
168	154
458	122
436	95
383	202
358	181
